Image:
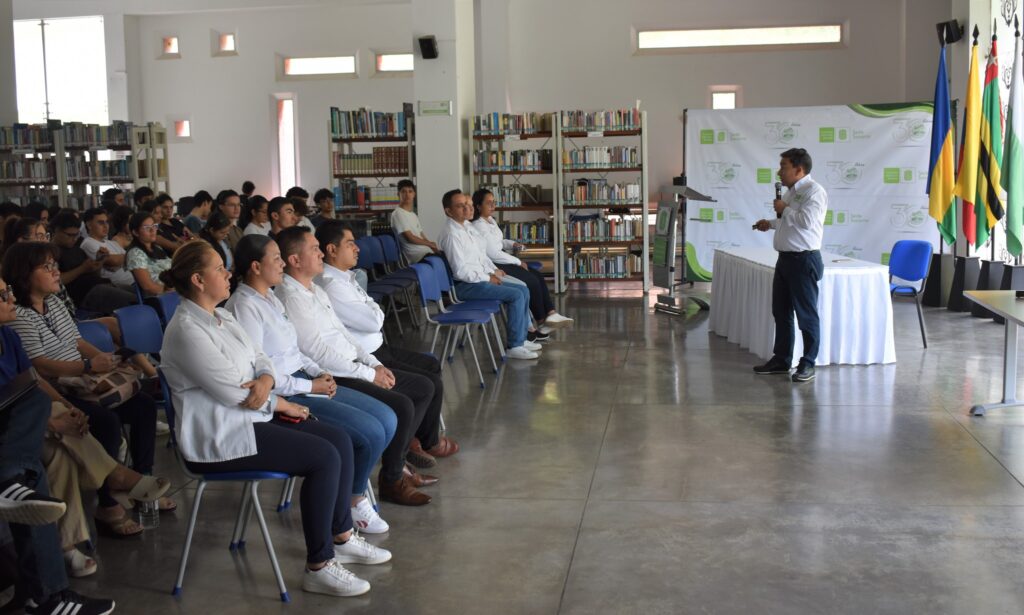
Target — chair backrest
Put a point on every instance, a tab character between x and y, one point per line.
429	290
97	334
910	259
444	283
392	253
168	405
138	292
375	250
140	328
365	258
165	305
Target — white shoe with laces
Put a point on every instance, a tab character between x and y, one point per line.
358	551
520	352
367	520
334	580
534	346
556	319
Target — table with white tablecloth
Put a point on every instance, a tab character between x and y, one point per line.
854	307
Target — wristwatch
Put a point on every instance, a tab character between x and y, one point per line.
88	365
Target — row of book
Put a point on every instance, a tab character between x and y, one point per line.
366	123
583	266
82	170
600	229
511	123
528	232
591	121
512	160
383	161
600	192
35	136
349	195
146	168
518	195
21	171
77	134
601	157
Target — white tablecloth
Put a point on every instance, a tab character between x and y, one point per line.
853	304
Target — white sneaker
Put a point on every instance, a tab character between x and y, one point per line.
366	520
520	352
162	428
334	580
534	346
545	330
358	551
557	319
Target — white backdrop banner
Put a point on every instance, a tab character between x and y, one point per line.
871	159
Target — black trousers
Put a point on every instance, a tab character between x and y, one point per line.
540	297
322	455
427	366
409	399
795	289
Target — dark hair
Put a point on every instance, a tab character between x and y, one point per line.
322	194
405	183
19	263
16	229
216	221
301	209
250	249
63	220
134	224
142	192
110	193
188	260
185	205
36	209
147	207
252	205
224	195
8	208
296	191
798	157
446	200
331	232
201	197
478	200
92	213
290	240
119	219
162	198
276	204
248	187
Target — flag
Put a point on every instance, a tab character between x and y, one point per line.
1012	172
941	204
988	207
967	166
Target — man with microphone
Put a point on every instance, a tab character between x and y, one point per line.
798	226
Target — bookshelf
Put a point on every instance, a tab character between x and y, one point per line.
150	152
514	157
28	169
369	152
601	206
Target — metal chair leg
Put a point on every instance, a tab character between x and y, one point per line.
497	337
920	319
255	500
188	538
476	361
490	351
236	534
371	496
286	495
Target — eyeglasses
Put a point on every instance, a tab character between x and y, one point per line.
6	294
41	237
49	266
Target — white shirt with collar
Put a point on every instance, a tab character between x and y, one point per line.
322	335
264	319
360	314
257	229
803	220
206	358
494	242
118	277
465	252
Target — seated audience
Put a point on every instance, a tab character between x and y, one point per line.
157	213
255	216
406	224
216	233
172	233
119	231
282	215
82	274
23	229
146	260
248	188
142	195
39	211
98	246
230	205
229	420
202	204
113	195
324	201
9	210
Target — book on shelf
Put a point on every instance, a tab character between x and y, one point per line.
600	192
382	160
492	124
491	161
22	171
601	157
519	195
599	121
26	136
350	196
365	123
527	232
117	134
93	170
601	229
586	266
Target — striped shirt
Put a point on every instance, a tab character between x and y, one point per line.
53	336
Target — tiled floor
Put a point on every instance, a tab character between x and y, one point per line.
640	467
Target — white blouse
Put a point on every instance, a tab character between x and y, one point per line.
494	241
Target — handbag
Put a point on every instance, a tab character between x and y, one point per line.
110	389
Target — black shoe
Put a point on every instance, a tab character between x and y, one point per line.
67	602
803	373
20	504
537	336
774	366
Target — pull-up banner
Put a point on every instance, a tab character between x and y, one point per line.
871	159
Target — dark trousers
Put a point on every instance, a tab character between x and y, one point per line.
322	455
139	413
795	289
409	399
427	366
540	297
22	427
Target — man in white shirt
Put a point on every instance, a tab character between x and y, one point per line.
325	339
476	277
799	226
230	204
406	224
97	246
364	320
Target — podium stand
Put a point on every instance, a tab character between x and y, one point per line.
672	214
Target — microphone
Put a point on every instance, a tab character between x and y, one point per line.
778	195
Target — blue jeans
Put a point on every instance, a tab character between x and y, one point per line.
369	423
516	296
21	445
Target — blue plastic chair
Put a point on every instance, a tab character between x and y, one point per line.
138	292
165	305
140	328
534	265
446	284
909	262
250	503
97	334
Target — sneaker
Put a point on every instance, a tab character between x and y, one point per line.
557	319
538	336
67	602
774	366
534	346
358	551
520	352
334	580
162	429
366	519
546	330
20	504
803	373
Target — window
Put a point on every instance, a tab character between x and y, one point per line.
287	170
183	129
61	70
394	62
227	42
788	36
223	44
723	100
335	65
170	48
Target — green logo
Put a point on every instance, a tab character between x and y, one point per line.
720	215
788	134
885	258
707	214
721	136
844	135
764	176
828	218
841	217
908	175
728	174
826	135
707	137
891	175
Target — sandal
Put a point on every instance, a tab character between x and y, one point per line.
79	564
166	504
121	527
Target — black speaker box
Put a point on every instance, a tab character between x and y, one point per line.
428	47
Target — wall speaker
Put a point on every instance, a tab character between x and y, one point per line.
428	47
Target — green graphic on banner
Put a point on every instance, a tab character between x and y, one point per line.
828	218
707	137
826	135
890	175
707	214
764	176
885	258
720	215
721	136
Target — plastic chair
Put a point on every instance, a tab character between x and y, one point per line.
446	284
250	503
138	293
289	488
140	328
534	265
97	334
165	305
909	261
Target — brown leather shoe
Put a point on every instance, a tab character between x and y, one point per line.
419	480
445	447
419	457
402	492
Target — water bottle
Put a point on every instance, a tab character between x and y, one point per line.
149	514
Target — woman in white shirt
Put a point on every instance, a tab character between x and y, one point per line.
258	216
229	420
541	305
